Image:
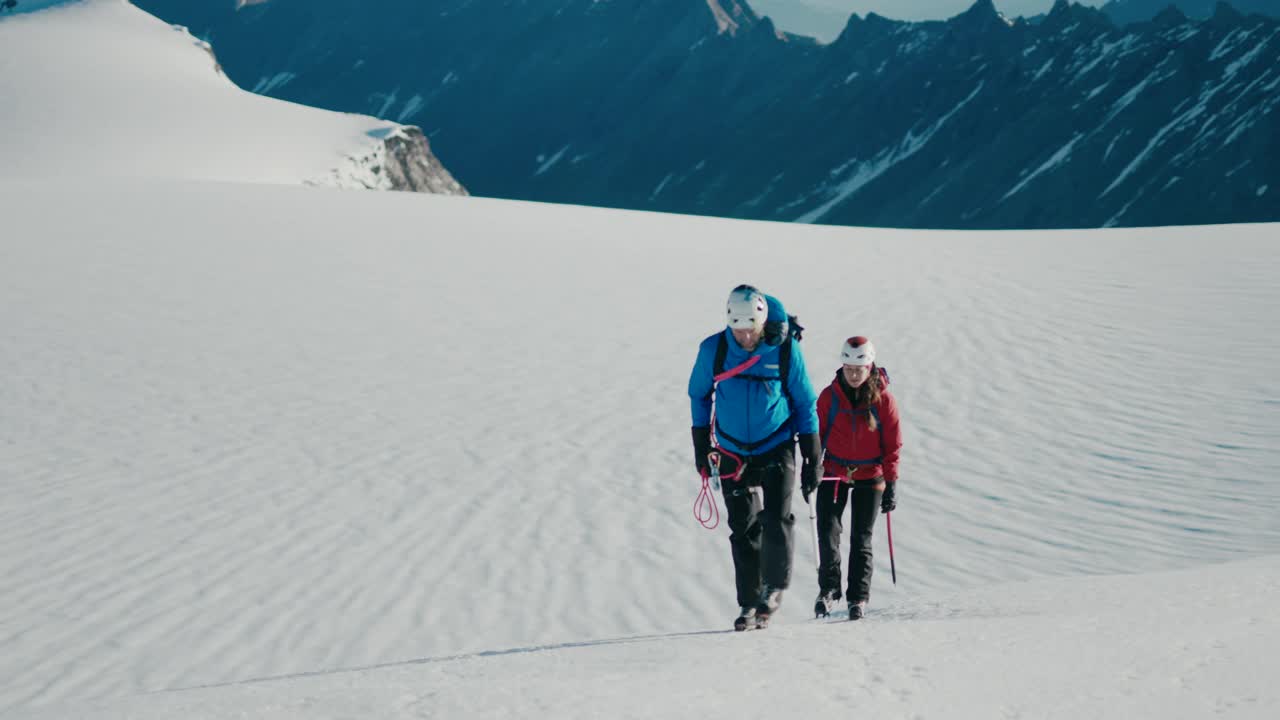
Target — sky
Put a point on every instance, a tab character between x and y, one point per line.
825	19
278	451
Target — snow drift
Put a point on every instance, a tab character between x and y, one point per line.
98	88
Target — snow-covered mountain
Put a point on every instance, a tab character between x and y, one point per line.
701	106
101	88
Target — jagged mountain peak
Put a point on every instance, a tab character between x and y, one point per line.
982	7
732	16
875	19
1226	12
859	29
765	29
1060	6
981	15
1065	14
1171	16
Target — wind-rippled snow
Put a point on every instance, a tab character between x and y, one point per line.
262	431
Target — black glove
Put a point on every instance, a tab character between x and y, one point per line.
811	470
701	446
888	502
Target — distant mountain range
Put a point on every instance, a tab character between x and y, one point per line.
1123	12
703	106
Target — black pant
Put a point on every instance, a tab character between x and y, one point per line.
866	505
760	533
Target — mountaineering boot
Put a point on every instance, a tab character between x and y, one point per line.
770	599
857	609
826	600
746	620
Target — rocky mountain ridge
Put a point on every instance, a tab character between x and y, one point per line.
702	106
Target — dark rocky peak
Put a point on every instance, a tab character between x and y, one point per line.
980	11
764	28
1060	16
1068	14
1170	16
764	31
981	16
1226	13
860	31
875	22
732	16
754	36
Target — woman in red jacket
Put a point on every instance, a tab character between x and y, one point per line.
858	424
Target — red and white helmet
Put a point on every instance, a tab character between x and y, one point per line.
859	351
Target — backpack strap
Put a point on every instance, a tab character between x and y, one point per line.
784	367
832	412
717	365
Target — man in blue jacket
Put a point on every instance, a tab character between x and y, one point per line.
762	401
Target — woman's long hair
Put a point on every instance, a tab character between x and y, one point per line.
865	395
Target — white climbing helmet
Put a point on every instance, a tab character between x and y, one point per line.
747	308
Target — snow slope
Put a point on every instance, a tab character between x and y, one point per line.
258	432
98	88
1008	651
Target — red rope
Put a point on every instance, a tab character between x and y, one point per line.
705	508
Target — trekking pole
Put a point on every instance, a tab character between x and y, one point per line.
813	525
888	526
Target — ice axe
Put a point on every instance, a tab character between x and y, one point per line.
888	527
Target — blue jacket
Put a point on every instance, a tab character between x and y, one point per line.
752	411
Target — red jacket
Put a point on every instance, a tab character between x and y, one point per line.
851	438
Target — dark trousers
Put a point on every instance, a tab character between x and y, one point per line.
866	496
760	532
